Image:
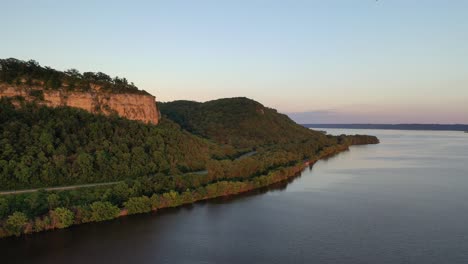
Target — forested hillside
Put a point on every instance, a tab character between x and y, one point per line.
42	146
241	122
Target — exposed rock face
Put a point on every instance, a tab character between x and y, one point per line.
131	106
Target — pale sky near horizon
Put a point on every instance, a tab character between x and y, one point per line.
329	61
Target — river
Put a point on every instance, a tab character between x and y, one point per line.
402	201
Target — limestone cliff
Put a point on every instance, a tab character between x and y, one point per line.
128	105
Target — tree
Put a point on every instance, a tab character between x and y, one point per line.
155	202
171	199
33	64
53	201
73	73
137	205
120	193
83	166
62	217
41	224
100	76
102	211
37	202
15	223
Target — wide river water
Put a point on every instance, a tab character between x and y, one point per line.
402	201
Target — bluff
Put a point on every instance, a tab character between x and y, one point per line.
95	92
138	107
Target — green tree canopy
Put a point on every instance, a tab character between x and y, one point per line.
62	217
15	223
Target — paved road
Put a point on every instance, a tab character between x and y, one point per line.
71	187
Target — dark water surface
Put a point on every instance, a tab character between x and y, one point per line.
403	201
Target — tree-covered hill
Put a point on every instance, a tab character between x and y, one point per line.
241	122
42	146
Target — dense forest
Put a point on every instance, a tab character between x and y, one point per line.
42	146
31	73
195	153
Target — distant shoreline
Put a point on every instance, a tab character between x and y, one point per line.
431	127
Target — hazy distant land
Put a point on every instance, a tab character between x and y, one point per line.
440	127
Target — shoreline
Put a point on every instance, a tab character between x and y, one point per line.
297	169
273	177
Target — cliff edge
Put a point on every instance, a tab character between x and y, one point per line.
140	107
95	92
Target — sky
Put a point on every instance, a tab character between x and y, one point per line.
328	61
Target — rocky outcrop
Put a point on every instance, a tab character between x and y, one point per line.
128	105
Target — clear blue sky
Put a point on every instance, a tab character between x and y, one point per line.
386	61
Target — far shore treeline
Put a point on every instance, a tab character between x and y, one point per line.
195	153
434	127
